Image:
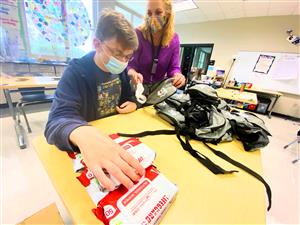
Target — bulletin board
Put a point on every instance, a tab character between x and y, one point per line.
268	70
9	29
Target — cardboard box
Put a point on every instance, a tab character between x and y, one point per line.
145	203
48	215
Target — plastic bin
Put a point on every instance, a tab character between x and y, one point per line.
263	105
252	107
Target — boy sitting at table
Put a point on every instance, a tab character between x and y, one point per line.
93	87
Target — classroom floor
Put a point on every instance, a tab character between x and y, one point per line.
26	187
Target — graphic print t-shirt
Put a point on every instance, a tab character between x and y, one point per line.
109	92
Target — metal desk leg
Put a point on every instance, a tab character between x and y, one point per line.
18	127
271	110
298	157
10	104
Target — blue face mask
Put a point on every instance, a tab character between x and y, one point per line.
115	66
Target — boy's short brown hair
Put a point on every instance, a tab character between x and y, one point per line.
113	24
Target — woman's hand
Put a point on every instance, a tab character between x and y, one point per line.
126	107
136	77
179	80
100	152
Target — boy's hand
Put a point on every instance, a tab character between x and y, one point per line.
100	152
126	107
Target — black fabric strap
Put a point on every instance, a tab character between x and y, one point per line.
155	54
146	133
205	160
246	169
186	146
202	158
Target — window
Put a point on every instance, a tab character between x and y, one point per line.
137	21
124	12
59	29
195	56
131	11
200	57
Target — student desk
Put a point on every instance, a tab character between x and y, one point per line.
203	198
235	95
275	95
10	84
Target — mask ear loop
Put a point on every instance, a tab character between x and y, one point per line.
101	45
139	93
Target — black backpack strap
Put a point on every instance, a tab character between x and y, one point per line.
246	169
151	132
202	158
186	146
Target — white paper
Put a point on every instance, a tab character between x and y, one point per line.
264	64
286	68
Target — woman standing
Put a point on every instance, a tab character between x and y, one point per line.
157	56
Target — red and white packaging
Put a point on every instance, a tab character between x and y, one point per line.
136	148
92	186
133	146
144	203
78	164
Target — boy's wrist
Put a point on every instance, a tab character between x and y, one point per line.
78	135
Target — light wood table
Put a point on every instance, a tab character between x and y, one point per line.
245	97
275	95
203	198
10	84
14	82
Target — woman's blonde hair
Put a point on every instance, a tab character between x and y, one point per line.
168	28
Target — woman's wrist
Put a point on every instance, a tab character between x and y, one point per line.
131	72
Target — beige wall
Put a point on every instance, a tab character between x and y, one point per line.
250	34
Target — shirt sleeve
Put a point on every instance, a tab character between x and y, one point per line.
64	115
174	66
127	93
134	63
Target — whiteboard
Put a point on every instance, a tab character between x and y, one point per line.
283	74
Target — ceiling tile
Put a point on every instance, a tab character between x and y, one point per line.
276	12
190	16
227	9
283	8
209	7
289	7
215	17
284	4
296	11
257	8
231	6
255	13
232	9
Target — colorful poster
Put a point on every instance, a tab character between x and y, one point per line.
60	21
9	29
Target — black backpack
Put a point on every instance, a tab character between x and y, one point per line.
199	114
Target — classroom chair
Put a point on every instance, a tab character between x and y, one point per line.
31	96
294	141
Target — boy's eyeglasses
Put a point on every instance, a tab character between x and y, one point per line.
119	56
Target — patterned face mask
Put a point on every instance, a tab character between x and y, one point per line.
156	23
